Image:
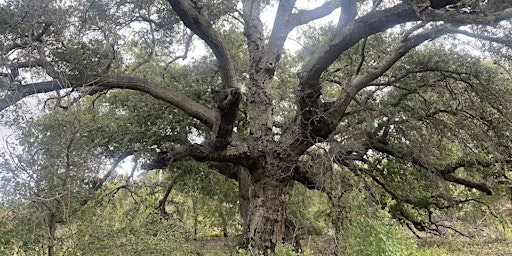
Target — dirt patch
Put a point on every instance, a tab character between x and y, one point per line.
213	245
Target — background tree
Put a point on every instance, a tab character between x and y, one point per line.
389	114
61	185
51	170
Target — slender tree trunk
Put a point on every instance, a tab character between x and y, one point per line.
51	250
339	189
52	227
194	212
339	214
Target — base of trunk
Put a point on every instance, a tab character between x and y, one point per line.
265	226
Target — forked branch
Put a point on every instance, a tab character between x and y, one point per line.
202	27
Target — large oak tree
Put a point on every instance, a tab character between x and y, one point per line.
354	102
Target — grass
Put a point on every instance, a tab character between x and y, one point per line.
323	245
463	247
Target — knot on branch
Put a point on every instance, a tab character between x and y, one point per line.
227	103
160	160
227	100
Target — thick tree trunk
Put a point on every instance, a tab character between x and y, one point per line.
265	227
244	184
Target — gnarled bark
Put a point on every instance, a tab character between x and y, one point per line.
265	227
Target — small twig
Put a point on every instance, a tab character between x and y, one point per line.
126	186
132	172
408	225
188	43
455	230
363	56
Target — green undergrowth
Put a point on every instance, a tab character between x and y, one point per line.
324	245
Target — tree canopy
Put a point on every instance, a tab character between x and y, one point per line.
411	99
